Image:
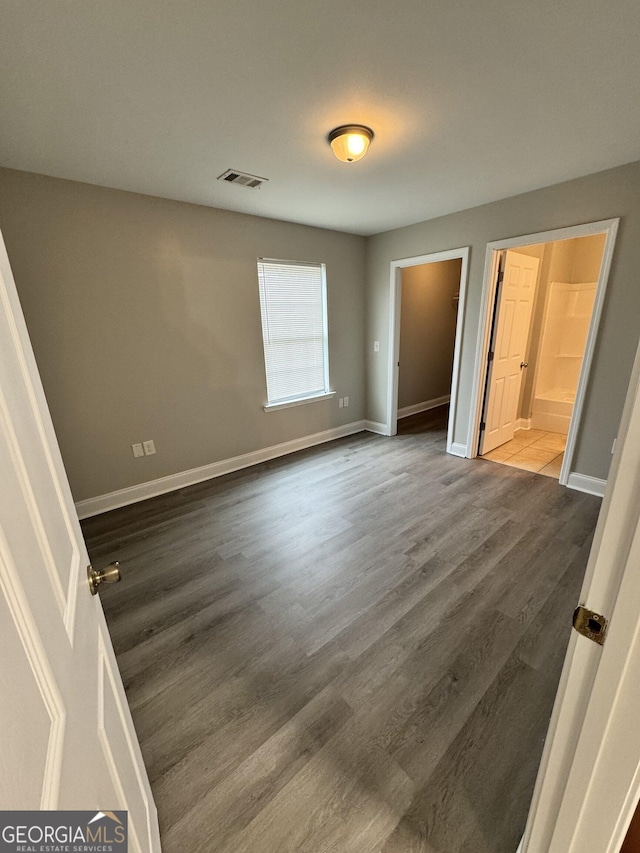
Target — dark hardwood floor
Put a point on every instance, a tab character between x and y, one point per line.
355	648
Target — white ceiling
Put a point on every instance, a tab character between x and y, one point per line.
470	100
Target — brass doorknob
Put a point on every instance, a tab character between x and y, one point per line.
524	364
110	574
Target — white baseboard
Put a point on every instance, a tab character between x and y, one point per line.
519	850
523	423
584	483
457	449
373	426
133	494
405	411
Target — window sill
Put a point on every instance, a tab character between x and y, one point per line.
273	407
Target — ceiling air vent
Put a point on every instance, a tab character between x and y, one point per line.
233	176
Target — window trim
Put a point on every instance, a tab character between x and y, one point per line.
298	401
313	396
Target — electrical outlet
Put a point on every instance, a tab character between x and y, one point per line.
137	450
341	402
149	447
376	346
346	402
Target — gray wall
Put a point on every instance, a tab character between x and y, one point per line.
605	195
144	316
427	331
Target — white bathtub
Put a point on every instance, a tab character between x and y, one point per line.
552	410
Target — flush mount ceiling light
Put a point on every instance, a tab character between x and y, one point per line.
350	142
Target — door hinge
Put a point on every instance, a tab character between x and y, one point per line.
490	356
500	276
590	624
482	425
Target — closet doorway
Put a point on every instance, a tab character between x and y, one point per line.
427	303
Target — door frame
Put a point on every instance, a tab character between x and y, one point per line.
395	307
609	227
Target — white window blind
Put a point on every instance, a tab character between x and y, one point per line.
294	329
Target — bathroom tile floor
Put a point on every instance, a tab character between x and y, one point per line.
532	450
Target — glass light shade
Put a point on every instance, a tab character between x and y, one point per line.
350	142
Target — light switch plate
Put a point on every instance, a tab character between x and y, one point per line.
149	447
138	450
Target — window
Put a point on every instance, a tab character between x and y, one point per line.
293	300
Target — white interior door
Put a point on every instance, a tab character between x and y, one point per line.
508	349
589	780
66	736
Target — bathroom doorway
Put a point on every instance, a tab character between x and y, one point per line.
541	328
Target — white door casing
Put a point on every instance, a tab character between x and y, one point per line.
67	739
509	347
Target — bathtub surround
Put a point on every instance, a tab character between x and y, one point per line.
551	379
561	353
